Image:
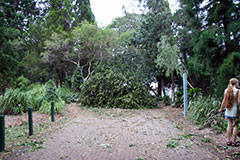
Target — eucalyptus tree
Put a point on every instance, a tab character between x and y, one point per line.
84	46
168	59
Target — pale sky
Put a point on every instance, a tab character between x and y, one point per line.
106	10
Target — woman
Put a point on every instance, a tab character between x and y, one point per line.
231	102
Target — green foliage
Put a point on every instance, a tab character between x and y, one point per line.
202	111
67	95
193	93
51	91
37	94
22	82
51	96
173	143
14	102
166	100
228	69
129	22
46	107
207	40
108	88
168	57
77	79
178	97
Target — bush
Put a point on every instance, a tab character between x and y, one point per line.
192	94
67	95
22	82
37	94
51	96
166	99
46	107
14	102
203	111
108	88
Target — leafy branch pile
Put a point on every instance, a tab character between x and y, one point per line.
111	89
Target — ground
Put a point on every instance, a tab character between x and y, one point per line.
117	134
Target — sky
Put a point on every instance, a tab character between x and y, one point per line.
106	10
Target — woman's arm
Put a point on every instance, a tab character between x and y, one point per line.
238	97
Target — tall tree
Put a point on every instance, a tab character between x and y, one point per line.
82	11
129	22
15	17
213	27
85	45
168	59
157	22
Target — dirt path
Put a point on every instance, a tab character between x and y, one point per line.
116	134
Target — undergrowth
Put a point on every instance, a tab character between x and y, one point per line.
204	112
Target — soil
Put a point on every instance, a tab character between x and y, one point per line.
123	134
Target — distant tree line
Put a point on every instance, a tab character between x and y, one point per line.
53	39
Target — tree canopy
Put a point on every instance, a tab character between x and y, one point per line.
49	39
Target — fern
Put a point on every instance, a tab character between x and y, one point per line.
14	102
46	107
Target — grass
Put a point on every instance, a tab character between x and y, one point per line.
206	140
17	138
140	158
173	143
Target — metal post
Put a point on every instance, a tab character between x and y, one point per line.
185	94
30	121
52	111
2	133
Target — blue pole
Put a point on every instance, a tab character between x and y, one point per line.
185	94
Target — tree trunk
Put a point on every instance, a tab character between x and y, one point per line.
162	88
159	82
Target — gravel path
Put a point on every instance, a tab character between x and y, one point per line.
116	134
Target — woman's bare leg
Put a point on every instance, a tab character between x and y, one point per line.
229	129
235	132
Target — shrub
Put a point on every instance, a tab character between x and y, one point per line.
46	107
108	88
203	111
178	97
37	94
192	94
51	96
22	82
14	102
67	95
166	99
